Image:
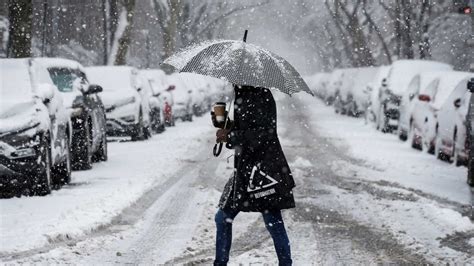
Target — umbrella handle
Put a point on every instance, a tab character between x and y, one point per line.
217	149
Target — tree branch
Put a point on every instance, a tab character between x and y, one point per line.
222	16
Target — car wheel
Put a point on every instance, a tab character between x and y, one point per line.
101	153
62	172
438	152
138	133
402	135
82	148
416	142
42	180
470	173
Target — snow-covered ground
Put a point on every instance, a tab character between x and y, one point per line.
391	159
95	197
363	197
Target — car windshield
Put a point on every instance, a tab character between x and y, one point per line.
63	78
15	80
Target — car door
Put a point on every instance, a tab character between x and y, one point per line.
95	110
59	131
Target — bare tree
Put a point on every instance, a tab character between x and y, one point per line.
20	17
193	20
348	20
125	37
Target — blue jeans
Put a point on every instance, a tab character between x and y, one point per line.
273	223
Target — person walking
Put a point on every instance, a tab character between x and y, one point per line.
262	180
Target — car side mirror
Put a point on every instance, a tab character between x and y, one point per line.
470	85
93	88
45	92
457	103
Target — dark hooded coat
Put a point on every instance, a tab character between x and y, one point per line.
262	179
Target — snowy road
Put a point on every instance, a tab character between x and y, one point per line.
357	201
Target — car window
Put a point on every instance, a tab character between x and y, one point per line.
63	78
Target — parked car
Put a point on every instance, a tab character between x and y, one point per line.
156	104
35	130
157	80
127	110
470	133
399	76
318	84
450	129
182	98
85	107
419	114
356	102
182	108
343	93
334	85
413	106
378	83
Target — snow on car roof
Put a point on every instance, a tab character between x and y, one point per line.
403	71
112	77
49	62
447	84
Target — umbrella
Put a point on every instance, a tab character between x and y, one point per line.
240	63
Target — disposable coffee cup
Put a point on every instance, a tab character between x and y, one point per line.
219	111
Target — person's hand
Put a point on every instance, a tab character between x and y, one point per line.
218	124
221	135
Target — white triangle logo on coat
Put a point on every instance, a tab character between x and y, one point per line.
252	188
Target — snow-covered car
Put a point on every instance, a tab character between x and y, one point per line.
343	93
426	125
378	82
334	85
451	135
318	84
127	110
156	104
412	107
400	75
356	100
182	107
35	129
182	97
85	107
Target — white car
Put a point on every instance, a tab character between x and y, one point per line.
126	100
181	96
425	122
153	92
334	85
451	120
356	102
318	83
399	76
373	89
410	101
343	95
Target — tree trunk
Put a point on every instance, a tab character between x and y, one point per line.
170	31
125	39
20	17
